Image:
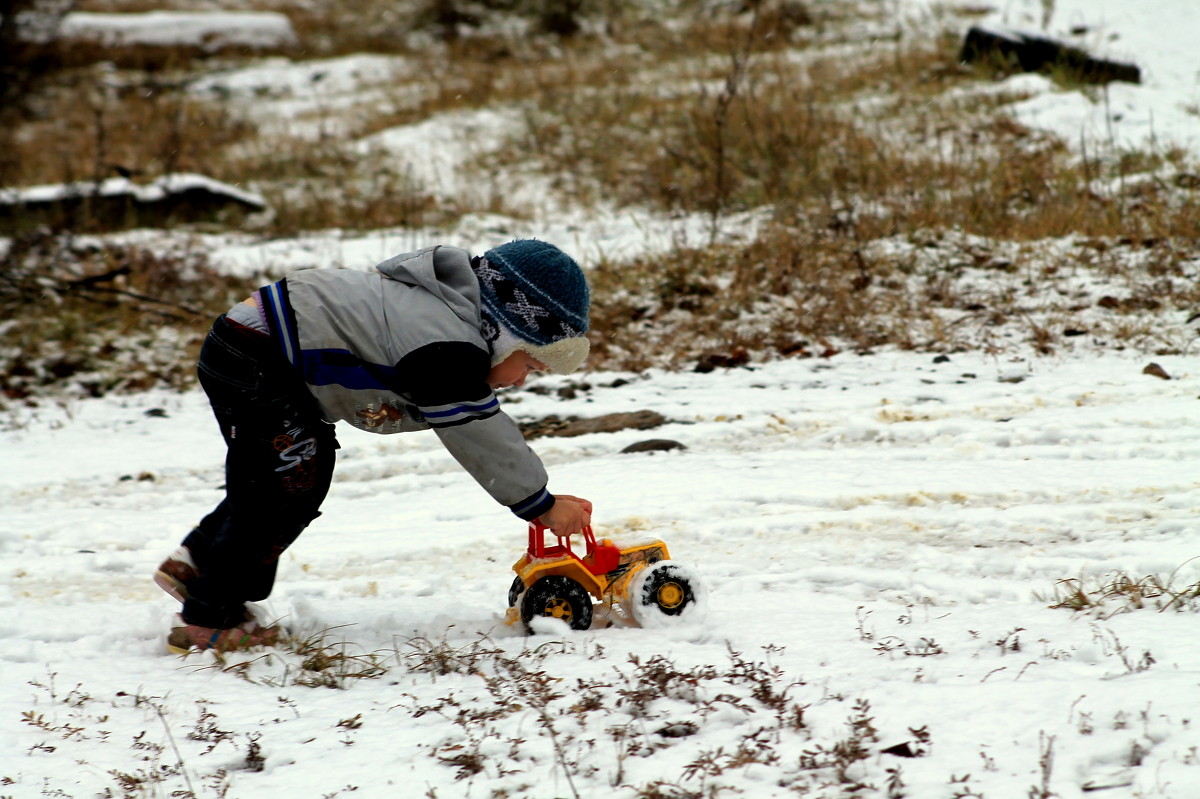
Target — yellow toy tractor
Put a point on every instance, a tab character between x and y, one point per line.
638	583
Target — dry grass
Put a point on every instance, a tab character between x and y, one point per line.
722	114
716	113
791	293
816	135
99	320
1118	592
812	290
149	128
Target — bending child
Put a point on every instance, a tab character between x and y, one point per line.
422	342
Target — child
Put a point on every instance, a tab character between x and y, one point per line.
422	342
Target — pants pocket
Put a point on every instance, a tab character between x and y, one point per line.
222	365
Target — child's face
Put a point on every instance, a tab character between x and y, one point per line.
513	370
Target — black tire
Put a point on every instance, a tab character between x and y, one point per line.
514	591
558	597
664	589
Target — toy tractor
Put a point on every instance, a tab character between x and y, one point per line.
639	583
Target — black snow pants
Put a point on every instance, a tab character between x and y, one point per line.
277	472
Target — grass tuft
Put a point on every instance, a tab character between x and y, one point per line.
1119	592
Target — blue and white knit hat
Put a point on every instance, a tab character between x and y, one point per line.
538	298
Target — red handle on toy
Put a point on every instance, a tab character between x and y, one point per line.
537	541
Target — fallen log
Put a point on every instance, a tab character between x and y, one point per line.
1019	51
118	203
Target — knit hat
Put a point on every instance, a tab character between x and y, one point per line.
536	298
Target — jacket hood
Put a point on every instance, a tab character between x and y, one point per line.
444	272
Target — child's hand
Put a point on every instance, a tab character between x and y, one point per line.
568	516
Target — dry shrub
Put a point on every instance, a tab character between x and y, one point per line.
321	185
1017	185
791	292
95	128
725	112
1120	592
721	113
354	26
747	128
88	320
812	287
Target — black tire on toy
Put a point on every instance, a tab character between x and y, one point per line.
558	597
661	589
514	591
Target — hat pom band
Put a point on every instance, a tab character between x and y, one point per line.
561	357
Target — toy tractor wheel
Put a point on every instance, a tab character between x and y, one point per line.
661	589
558	597
514	591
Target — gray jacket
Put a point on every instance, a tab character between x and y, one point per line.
401	349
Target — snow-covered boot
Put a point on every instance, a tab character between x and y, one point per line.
185	637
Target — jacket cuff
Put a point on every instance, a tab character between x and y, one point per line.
533	506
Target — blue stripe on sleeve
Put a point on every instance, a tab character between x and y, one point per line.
465	409
533	507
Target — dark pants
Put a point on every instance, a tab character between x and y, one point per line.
277	472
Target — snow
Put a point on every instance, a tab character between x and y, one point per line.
470	133
871	526
880	539
208	30
311	99
1162	112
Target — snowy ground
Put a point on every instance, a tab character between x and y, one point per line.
881	538
887	532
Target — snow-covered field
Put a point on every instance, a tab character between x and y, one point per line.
887	532
881	538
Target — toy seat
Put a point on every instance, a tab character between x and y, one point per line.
603	558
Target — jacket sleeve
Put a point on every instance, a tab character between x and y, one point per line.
447	382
